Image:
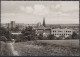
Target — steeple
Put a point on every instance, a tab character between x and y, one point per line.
44	21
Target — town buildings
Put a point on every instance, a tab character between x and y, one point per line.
46	29
57	30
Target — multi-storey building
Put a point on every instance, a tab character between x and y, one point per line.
61	32
12	24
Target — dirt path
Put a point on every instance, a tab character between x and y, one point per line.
15	53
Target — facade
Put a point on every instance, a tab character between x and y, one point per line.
41	29
62	32
44	31
58	30
12	24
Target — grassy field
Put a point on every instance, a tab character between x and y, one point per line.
5	49
45	48
68	43
48	48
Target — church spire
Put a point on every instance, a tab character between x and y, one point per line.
44	21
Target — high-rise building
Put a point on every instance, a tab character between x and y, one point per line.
12	24
8	25
44	22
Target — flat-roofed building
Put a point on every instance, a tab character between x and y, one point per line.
12	24
62	32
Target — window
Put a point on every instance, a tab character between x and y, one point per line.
59	31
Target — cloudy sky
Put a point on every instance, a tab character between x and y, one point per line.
30	12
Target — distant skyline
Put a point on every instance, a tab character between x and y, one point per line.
32	12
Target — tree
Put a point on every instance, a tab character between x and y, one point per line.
16	29
74	35
40	37
3	38
4	32
51	37
29	33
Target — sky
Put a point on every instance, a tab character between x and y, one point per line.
32	12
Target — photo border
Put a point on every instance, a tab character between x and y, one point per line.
40	0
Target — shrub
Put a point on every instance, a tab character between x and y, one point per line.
74	35
51	37
6	33
69	37
40	37
60	38
28	33
3	38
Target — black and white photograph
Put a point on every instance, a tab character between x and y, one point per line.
39	28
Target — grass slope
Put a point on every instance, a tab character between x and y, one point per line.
32	48
43	48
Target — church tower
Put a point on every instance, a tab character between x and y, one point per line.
44	22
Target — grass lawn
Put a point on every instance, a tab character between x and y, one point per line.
43	48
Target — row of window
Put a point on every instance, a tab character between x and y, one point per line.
61	34
61	31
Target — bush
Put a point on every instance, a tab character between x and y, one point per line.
51	37
69	37
28	33
3	38
40	37
60	38
74	35
6	33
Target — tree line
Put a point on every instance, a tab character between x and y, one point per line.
29	34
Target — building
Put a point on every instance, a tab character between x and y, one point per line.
8	25
42	29
58	31
61	32
13	24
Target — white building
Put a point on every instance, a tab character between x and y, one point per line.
62	32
